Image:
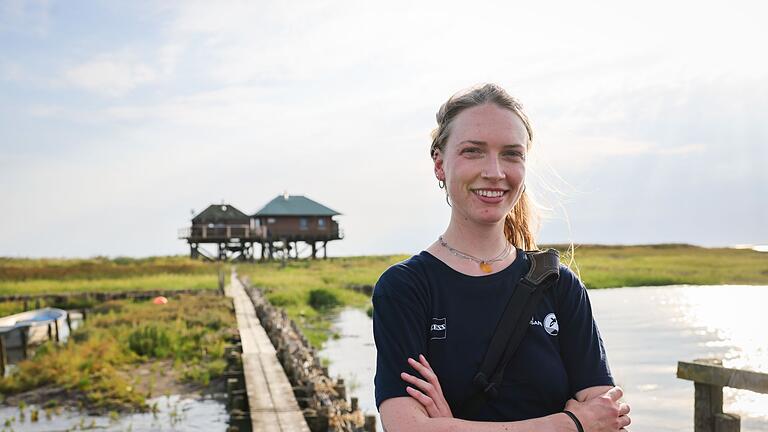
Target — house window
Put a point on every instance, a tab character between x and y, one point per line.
303	223
270	220
321	223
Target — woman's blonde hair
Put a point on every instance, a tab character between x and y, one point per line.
518	224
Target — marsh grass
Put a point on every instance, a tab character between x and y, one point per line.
97	360
292	287
668	264
21	269
123	283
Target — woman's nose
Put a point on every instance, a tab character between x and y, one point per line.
492	170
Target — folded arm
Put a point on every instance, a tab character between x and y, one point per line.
405	414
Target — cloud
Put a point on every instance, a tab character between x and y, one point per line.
25	16
110	76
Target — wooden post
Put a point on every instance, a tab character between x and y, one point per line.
50	331
341	389
23	335
221	281
354	404
69	323
3	358
370	423
727	423
325	249
708	400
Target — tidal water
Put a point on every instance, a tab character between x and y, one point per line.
174	413
646	331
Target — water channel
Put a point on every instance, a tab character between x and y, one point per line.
646	330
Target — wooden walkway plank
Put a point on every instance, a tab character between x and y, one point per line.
272	404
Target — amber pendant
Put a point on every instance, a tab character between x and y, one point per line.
484	266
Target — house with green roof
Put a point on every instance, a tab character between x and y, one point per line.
290	219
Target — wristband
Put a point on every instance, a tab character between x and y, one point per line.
573	417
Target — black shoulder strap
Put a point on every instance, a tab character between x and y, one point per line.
544	272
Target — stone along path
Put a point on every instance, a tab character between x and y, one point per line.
271	401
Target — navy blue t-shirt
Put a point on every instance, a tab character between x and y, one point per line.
423	306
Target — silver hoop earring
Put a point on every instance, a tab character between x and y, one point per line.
447	200
441	184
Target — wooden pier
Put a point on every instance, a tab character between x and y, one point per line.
709	377
271	401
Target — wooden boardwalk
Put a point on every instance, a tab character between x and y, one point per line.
271	401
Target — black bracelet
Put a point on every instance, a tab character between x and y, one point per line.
573	417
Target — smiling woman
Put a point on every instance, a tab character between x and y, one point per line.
437	314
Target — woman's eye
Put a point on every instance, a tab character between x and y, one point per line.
515	154
470	150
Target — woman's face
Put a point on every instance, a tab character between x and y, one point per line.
483	163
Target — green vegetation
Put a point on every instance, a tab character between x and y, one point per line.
58	276
97	362
20	269
668	264
135	283
307	289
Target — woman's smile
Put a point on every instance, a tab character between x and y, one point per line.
490	196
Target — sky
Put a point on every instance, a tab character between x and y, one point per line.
119	119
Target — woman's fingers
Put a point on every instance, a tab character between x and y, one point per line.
624	421
429	385
424	361
424	371
418	382
623	409
424	400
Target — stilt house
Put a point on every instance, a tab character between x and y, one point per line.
296	218
227	227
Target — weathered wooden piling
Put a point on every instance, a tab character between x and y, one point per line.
370	423
221	281
3	357
24	350
340	388
709	377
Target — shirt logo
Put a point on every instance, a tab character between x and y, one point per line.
551	325
438	328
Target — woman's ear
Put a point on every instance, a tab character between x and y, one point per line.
437	158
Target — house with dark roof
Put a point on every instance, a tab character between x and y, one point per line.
222	224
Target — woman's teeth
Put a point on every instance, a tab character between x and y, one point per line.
488	193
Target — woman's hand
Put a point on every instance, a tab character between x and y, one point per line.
429	393
603	413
